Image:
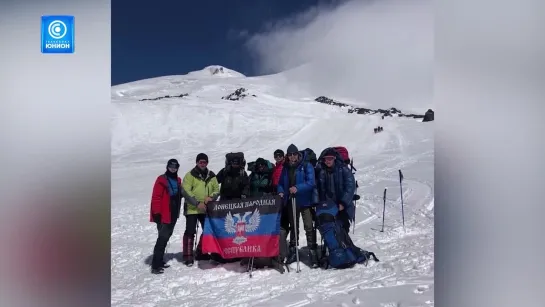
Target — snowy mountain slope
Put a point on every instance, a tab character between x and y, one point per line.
145	134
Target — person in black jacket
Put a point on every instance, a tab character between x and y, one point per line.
234	184
234	180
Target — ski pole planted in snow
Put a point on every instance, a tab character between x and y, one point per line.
383	208
251	266
401	189
356	193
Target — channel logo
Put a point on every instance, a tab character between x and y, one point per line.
57	34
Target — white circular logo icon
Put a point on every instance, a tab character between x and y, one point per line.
57	29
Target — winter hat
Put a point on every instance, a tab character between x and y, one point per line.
260	161
200	157
173	163
292	149
278	152
330	152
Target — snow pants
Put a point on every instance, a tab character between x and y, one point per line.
286	227
164	232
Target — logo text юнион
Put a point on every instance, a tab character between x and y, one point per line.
57	34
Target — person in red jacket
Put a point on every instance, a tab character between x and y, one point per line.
166	201
279	158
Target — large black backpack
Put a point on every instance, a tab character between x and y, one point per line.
230	156
309	156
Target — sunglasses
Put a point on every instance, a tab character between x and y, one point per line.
203	162
329	158
172	168
292	154
278	156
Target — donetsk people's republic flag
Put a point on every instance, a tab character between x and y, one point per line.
241	228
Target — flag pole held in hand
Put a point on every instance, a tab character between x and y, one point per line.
383	208
401	189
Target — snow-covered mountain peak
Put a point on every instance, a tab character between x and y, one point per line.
216	71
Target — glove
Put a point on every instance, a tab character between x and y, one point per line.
157	218
356	197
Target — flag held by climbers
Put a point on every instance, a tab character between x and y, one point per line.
243	228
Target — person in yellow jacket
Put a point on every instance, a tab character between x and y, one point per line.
200	186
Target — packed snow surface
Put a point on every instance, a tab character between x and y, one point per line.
145	134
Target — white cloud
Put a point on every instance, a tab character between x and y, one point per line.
378	52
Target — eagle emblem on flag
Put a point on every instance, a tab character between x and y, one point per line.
235	224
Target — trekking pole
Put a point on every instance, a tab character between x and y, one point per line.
401	190
251	266
355	209
356	193
196	237
293	207
384	209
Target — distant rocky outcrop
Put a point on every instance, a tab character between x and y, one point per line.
163	97
358	110
237	95
428	117
331	102
216	70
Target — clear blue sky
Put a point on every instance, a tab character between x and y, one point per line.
167	37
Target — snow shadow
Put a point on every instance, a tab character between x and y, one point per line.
168	257
304	254
231	266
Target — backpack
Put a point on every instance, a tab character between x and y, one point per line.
340	252
230	186
309	155
343	153
230	156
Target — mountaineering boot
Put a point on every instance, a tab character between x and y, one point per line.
313	257
157	271
292	256
199	256
283	246
278	265
244	261
189	262
164	265
187	248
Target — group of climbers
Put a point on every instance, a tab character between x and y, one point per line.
296	176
